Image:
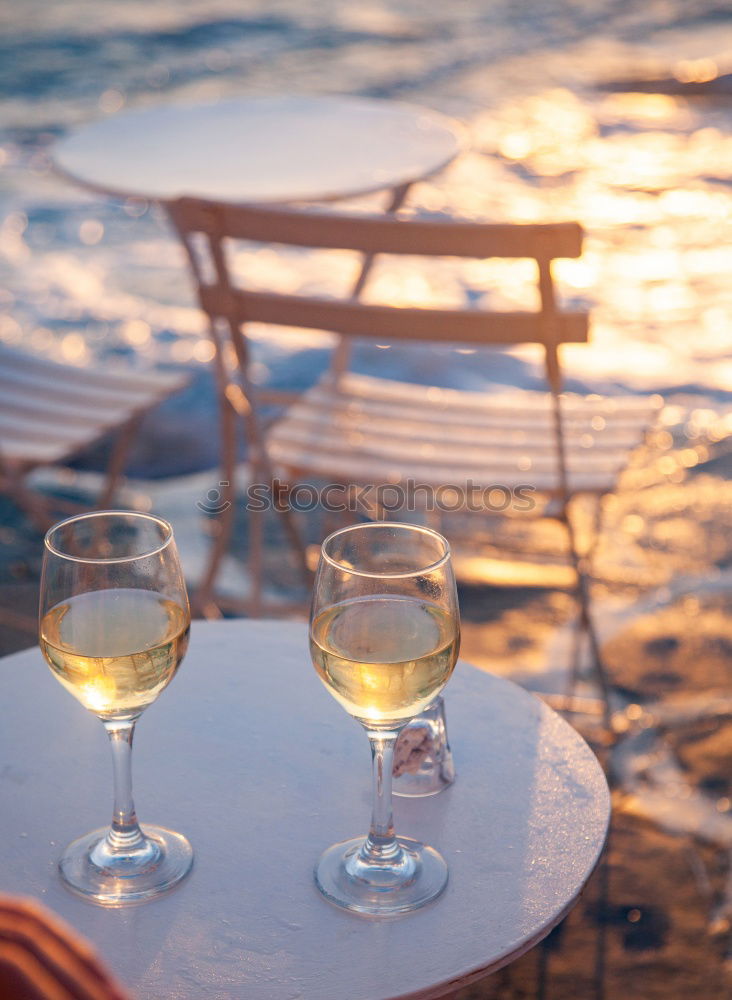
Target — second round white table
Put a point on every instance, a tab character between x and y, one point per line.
261	149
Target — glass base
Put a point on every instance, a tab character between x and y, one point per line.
417	876
91	870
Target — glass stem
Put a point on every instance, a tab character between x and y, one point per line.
124	834
381	845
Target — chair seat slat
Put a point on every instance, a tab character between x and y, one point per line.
54	387
517	400
29	454
302	423
58	430
429	453
341	467
18	362
43	409
321	405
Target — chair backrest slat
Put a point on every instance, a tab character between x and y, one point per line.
389	323
380	234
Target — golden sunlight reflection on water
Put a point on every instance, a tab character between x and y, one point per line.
648	175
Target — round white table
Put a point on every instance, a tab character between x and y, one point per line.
261	149
250	757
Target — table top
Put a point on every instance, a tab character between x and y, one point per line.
248	755
261	149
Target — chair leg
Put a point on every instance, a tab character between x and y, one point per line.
203	601
256	560
12	475
261	470
297	543
575	659
598	662
118	461
586	624
578	633
257	521
332	520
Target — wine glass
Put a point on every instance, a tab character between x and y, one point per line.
114	623
384	638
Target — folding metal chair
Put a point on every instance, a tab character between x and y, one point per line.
355	430
49	412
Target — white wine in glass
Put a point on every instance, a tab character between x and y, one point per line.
114	624
384	638
115	650
384	657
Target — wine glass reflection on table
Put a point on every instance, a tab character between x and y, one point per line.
114	624
384	638
423	761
